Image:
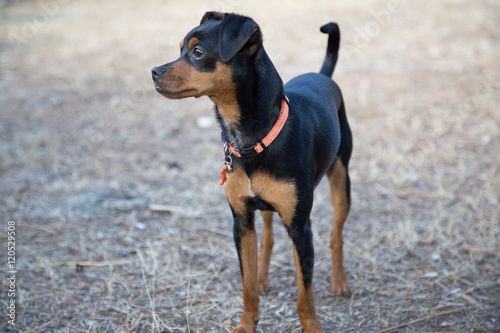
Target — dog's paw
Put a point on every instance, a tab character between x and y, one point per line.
340	287
244	329
248	324
263	286
312	326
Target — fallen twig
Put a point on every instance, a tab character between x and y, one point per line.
98	263
136	325
45	228
160	208
422	319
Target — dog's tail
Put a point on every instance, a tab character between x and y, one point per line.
332	51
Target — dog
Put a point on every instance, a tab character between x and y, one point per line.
279	142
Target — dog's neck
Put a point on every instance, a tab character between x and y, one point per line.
259	95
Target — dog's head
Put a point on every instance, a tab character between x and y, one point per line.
210	53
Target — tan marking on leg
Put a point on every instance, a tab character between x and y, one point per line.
193	42
266	247
248	252
305	302
238	191
281	194
337	177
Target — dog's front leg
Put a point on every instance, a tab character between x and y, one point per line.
245	239
304	264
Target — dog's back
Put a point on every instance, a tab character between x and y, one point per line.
318	105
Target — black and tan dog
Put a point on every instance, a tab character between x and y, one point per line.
279	142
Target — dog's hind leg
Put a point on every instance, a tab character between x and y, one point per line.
266	247
338	177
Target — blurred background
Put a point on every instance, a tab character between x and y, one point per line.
87	146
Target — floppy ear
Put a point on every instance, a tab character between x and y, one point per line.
236	33
211	16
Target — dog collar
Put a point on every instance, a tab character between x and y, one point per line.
268	139
259	147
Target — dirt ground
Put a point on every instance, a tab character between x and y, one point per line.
87	145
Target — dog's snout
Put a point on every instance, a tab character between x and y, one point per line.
158	71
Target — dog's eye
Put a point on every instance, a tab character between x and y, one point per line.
198	53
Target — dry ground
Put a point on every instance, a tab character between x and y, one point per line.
86	144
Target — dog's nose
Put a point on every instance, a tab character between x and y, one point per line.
157	71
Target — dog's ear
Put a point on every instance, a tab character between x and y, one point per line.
212	16
237	33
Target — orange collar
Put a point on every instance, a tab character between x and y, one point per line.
270	137
258	147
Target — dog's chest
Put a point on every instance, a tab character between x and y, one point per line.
242	190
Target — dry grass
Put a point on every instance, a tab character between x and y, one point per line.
86	143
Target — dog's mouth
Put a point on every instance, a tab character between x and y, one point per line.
176	94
